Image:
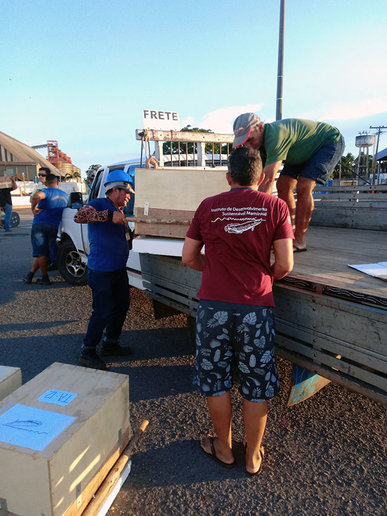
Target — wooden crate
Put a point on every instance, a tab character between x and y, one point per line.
10	380
166	199
5	182
60	434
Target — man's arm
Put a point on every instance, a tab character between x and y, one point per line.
192	256
269	172
283	258
88	214
14	185
34	201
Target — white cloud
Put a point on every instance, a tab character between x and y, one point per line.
221	120
361	109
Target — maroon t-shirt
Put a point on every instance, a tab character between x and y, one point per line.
238	229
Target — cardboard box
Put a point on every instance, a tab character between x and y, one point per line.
10	380
60	434
5	182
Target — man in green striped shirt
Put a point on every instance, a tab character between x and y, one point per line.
309	150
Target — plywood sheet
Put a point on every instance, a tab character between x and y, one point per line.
180	189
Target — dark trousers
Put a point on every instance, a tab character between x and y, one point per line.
110	305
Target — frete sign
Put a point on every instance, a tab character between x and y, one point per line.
157	119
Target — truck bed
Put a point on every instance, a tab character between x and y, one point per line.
325	265
331	319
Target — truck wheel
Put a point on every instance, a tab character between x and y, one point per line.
70	265
15	219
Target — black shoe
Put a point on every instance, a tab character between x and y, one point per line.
52	267
44	280
111	348
28	278
89	358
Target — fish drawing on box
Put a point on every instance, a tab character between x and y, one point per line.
28	425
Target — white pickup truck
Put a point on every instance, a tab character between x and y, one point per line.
73	242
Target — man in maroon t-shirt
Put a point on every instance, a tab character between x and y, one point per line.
234	321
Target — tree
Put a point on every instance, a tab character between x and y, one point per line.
348	167
184	147
93	168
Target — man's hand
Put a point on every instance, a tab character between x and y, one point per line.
35	200
192	256
270	172
118	217
283	258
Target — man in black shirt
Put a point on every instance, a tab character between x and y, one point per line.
6	203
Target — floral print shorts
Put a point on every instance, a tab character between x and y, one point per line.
235	343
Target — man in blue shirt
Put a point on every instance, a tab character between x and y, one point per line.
107	276
47	206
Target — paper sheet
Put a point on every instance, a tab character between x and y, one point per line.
378	270
31	427
56	397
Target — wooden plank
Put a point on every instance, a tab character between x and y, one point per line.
184	136
357	217
362	355
61	478
351	188
361	200
362	326
351	370
349	383
162	222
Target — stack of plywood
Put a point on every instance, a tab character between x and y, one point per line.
10	380
166	199
60	434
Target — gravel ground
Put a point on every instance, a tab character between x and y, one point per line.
325	456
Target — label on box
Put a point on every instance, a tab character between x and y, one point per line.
31	427
56	397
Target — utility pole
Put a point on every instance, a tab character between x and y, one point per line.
378	132
280	72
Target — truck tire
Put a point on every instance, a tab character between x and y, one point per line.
15	219
70	265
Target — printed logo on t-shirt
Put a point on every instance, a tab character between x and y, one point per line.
240	220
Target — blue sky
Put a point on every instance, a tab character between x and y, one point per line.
81	71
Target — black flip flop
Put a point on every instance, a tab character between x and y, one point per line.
259	470
213	456
299	249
